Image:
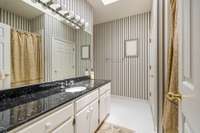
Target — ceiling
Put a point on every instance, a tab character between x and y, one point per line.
20	8
119	9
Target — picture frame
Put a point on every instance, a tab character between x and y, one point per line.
131	48
85	52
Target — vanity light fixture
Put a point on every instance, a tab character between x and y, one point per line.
82	21
73	25
55	6
63	15
64	12
77	27
71	15
77	18
67	21
107	2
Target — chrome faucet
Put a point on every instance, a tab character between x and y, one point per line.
66	83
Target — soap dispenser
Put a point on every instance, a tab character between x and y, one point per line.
86	72
92	73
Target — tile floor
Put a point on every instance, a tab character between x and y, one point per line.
131	114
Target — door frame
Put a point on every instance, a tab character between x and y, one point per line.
180	119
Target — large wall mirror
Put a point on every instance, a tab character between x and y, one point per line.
36	47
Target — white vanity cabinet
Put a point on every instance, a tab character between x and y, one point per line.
92	109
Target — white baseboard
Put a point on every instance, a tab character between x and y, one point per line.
128	98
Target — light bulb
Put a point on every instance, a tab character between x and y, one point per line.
45	1
82	21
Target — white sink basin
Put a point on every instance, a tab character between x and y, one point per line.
75	89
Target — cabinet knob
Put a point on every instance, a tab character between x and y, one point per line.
48	125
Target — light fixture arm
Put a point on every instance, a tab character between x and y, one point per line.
71	20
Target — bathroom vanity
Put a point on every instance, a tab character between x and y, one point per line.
52	108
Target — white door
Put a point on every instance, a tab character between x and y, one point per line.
94	116
63	59
5	55
67	127
82	121
189	66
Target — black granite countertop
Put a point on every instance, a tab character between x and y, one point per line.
20	105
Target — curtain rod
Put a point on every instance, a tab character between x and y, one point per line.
19	30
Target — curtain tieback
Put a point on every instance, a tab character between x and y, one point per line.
174	97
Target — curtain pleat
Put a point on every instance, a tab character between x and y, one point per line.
170	116
26	58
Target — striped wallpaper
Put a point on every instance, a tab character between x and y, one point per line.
128	74
37	24
15	21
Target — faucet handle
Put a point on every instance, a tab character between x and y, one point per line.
66	83
71	82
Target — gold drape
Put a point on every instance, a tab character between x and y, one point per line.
26	58
170	116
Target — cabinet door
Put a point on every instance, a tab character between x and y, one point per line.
94	109
67	127
108	102
102	113
82	121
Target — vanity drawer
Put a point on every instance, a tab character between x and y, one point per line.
84	101
105	88
67	127
50	122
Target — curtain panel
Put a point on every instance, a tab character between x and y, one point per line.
26	58
171	102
